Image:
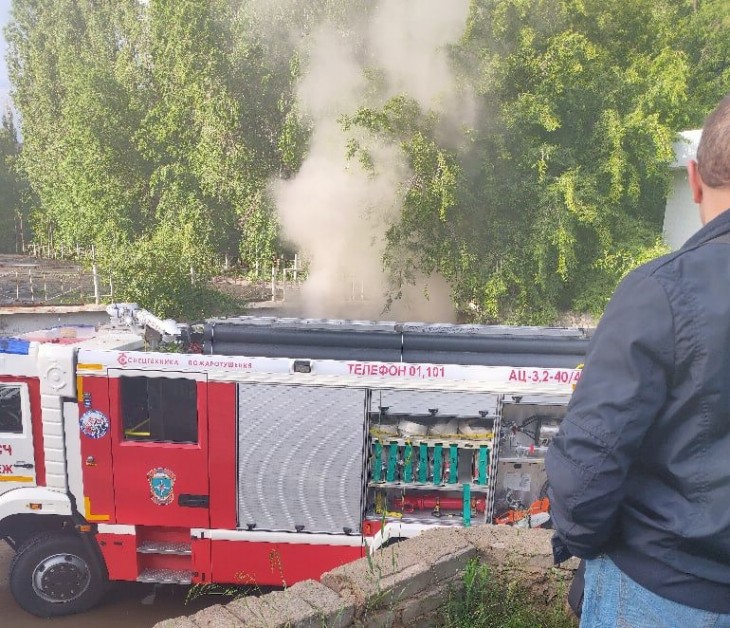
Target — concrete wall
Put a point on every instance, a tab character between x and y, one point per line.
405	584
15	320
681	216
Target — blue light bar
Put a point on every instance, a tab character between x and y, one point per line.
14	345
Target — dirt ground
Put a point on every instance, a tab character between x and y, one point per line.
124	606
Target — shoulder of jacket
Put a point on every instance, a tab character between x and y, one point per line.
652	267
665	262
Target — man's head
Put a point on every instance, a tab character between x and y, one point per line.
709	175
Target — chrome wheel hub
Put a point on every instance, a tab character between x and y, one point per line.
61	578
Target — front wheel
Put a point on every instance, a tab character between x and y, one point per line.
52	574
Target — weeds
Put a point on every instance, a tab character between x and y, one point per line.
488	601
244	586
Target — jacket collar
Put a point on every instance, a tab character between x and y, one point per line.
717	226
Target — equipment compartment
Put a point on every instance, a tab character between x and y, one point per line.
527	429
430	455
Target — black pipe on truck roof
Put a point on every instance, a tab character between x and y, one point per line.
383	341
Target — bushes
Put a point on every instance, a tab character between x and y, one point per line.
488	601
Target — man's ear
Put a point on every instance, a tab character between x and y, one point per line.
695	181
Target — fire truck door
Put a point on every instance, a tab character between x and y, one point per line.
17	466
159	447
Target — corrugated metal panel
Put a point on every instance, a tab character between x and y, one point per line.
301	452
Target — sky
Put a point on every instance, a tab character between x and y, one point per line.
4	83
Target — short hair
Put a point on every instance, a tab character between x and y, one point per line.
713	152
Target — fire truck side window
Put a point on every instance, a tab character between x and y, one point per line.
159	409
11	418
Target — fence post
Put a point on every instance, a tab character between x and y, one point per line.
273	282
17	286
30	281
95	276
19	235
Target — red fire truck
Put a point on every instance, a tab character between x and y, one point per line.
279	450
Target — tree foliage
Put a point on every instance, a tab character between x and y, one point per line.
152	130
13	189
151	126
561	187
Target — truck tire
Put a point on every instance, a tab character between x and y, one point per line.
52	574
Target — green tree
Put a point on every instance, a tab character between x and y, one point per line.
13	190
561	186
78	121
152	129
147	119
589	95
704	38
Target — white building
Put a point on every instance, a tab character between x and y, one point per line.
681	217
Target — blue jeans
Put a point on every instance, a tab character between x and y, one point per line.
613	599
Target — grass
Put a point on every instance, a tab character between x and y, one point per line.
487	601
482	599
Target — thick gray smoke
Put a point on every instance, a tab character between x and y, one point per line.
334	210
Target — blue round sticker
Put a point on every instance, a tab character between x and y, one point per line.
94	424
162	485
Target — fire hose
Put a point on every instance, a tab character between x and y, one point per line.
437	503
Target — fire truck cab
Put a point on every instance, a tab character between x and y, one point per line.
284	449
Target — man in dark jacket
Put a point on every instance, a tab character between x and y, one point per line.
640	470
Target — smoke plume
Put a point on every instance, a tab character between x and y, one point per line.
335	210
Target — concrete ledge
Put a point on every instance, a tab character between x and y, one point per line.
402	570
215	617
16	320
331	609
403	585
180	622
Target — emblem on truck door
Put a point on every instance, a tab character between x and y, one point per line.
94	424
162	483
